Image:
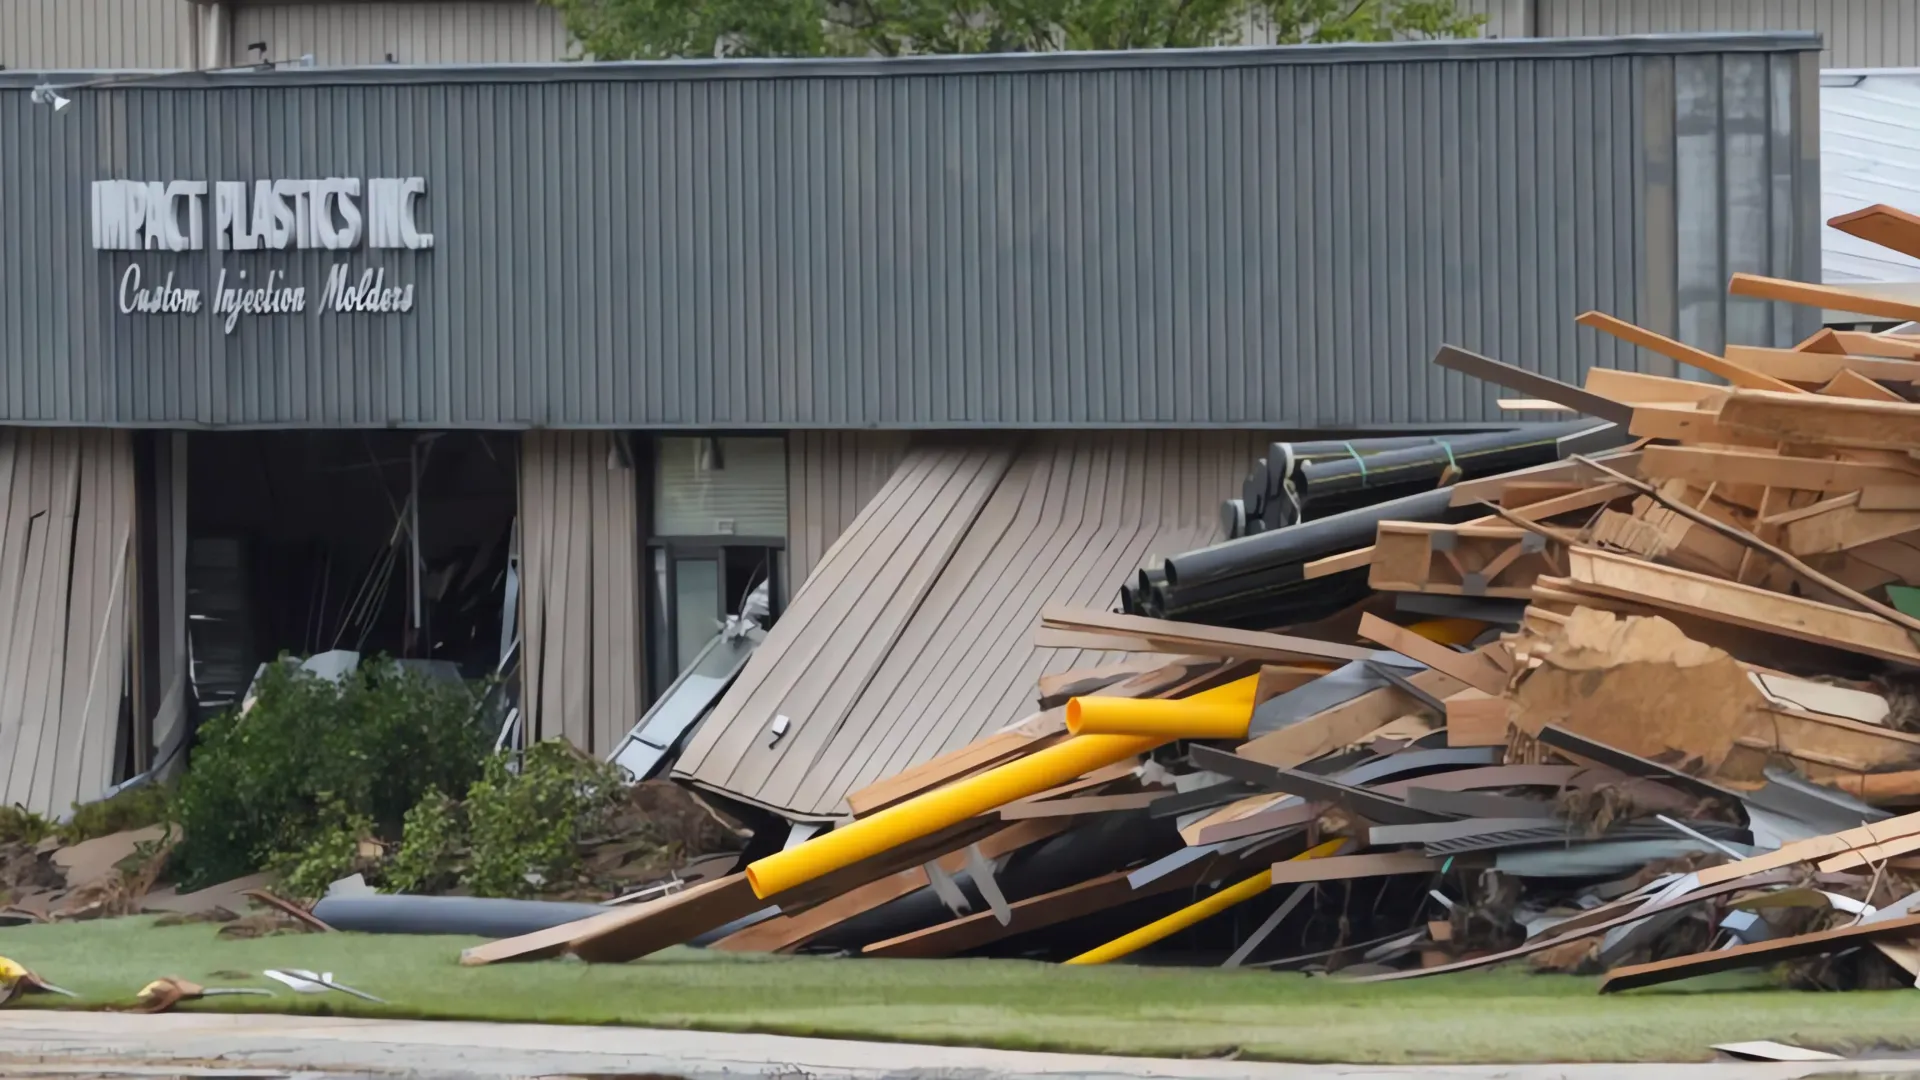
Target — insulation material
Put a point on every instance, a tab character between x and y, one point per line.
580	607
67	507
1642	686
916	638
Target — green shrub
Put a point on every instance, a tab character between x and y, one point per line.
133	809
432	847
19	825
312	760
525	828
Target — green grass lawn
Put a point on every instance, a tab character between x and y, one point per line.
1503	1016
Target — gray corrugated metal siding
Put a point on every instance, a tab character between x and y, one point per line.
1253	238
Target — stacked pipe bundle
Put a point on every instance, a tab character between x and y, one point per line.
1320	499
1305	481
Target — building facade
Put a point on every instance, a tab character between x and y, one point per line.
550	368
50	34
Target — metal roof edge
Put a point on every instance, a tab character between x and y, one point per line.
995	64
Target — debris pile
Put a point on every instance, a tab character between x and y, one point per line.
1632	694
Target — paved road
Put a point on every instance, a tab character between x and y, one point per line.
69	1046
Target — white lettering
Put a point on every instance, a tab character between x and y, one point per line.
412	189
161	299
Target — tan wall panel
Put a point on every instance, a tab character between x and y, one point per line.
831	475
346	34
66	519
582	659
43	34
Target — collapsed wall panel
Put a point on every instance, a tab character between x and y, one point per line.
580	588
831	476
900	651
67	506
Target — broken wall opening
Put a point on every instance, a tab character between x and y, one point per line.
376	542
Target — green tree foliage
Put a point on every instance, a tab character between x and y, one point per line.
664	29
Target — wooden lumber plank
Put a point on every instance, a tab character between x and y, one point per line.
1682	423
1678	352
1571	473
1701	466
1822	421
1861	343
1470	668
1636	388
1198	633
1884	497
1475	718
1852	384
1055	689
1840	528
1345	723
1887	226
1864	858
1757	954
1349	867
1528	382
1742	605
1814	368
720	899
1811	850
1822	296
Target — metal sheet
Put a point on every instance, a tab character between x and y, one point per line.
1071	240
944	575
581	674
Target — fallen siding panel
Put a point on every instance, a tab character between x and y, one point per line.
69	512
1071	518
831	476
867	587
580	608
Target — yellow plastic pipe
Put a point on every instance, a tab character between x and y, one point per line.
1187	916
1450	631
1184	718
942	807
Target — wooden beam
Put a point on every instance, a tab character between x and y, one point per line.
1842	528
1814	369
1683	423
1701	466
1470	668
1683	354
1529	382
1860	342
1249	641
1890	227
1037	732
1635	388
1757	954
1742	605
1822	421
1345	723
1852	384
1822	296
1821	341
